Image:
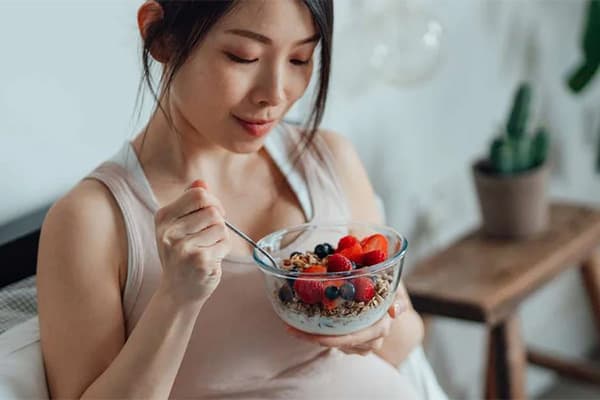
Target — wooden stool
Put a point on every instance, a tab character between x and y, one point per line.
485	280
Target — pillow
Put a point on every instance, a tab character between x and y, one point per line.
22	373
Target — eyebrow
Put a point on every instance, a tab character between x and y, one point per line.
263	39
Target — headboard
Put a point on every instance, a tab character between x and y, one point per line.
19	247
18	258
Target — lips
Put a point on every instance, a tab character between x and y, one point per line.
256	127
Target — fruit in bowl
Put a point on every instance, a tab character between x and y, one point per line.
332	279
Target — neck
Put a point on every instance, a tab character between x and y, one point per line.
185	154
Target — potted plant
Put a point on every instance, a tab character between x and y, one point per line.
511	182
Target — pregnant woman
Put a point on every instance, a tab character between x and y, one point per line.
142	291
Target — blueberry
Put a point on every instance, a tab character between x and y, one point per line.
321	251
332	292
295	253
347	291
290	282
329	248
286	293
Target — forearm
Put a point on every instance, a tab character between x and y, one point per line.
405	335
148	362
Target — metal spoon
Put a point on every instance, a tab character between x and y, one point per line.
252	242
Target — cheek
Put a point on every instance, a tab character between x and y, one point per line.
207	89
299	83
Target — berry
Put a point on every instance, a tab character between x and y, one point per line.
329	304
347	291
373	257
353	253
309	291
338	263
346	241
286	294
330	249
375	242
332	292
365	289
321	251
315	269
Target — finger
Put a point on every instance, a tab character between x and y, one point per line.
194	223
355	351
192	200
369	346
206	238
397	308
198	183
380	328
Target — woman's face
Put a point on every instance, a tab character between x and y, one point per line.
250	68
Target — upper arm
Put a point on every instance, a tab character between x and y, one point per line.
79	295
353	179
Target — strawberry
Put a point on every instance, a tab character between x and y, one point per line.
338	263
373	257
375	242
346	241
310	292
365	289
353	253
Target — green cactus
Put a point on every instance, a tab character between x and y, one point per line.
541	144
517	122
516	151
501	155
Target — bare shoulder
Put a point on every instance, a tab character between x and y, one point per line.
81	248
353	177
86	219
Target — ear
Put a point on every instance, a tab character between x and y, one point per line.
149	13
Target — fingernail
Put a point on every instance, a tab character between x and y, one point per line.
198	183
398	309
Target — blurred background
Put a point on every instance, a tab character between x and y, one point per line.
420	86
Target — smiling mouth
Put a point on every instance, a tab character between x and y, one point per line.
256	128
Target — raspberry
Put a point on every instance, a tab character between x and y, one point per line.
373	257
365	289
346	241
310	292
338	263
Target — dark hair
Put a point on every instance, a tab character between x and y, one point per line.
186	22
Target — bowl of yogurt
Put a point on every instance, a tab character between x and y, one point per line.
332	279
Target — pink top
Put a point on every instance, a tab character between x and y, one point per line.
239	348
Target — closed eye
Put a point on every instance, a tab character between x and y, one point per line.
240	60
300	62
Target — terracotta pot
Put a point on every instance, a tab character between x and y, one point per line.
512	206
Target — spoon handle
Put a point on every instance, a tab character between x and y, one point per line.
252	242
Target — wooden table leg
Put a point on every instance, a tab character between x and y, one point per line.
590	272
506	361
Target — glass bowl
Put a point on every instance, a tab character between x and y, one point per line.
326	302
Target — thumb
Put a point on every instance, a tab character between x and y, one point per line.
198	183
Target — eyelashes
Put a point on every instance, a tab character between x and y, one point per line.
241	60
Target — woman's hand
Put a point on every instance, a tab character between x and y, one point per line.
364	341
192	240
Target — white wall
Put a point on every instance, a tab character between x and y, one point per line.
418	142
68	79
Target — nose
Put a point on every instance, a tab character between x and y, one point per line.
270	88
